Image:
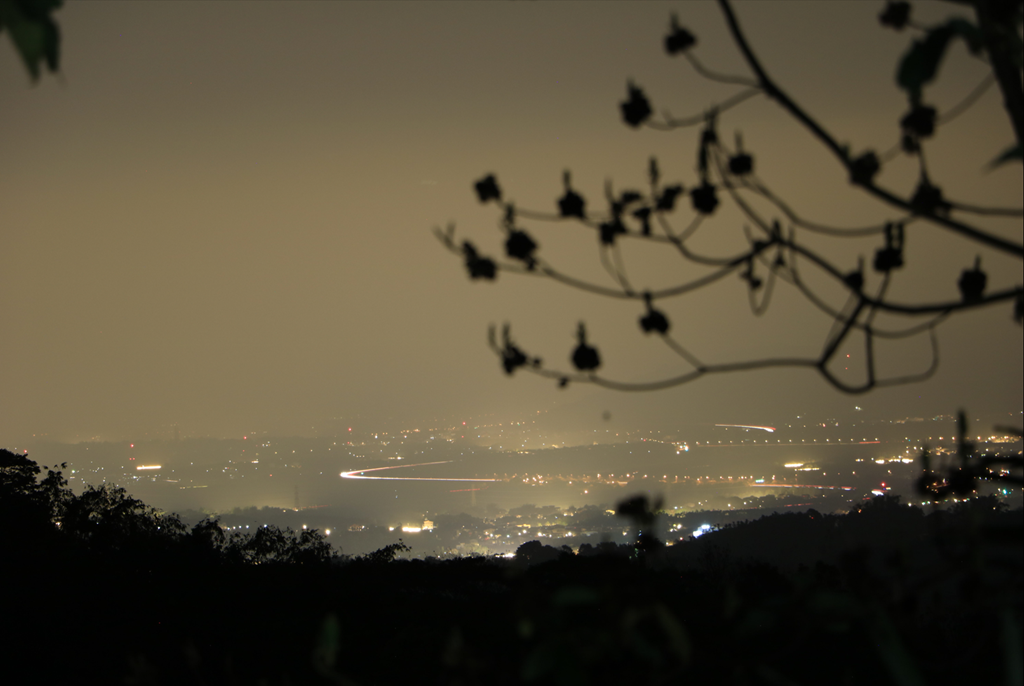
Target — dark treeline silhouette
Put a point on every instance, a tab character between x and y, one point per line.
100	588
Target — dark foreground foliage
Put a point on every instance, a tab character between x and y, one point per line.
119	593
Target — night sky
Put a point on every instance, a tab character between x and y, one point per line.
219	216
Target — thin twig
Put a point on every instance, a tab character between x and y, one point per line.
676	347
714	76
773	91
992	211
752	183
965	104
697	119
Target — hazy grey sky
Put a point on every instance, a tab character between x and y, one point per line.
219	215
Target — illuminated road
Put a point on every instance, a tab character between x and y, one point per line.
769	429
360	474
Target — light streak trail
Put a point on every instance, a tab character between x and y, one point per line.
359	473
769	429
830	488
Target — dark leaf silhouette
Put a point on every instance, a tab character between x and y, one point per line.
653	173
972	283
610	229
635	507
643	513
704	198
628	197
748	275
855	280
585	357
961	482
512	358
741	164
487	188
887	259
644	215
667	199
864	168
895	15
679	39
654	320
928	199
637	109
521	247
708	138
479	267
33	32
921	63
920	121
891	256
572	205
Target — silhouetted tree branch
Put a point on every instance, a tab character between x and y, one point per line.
772	252
34	33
